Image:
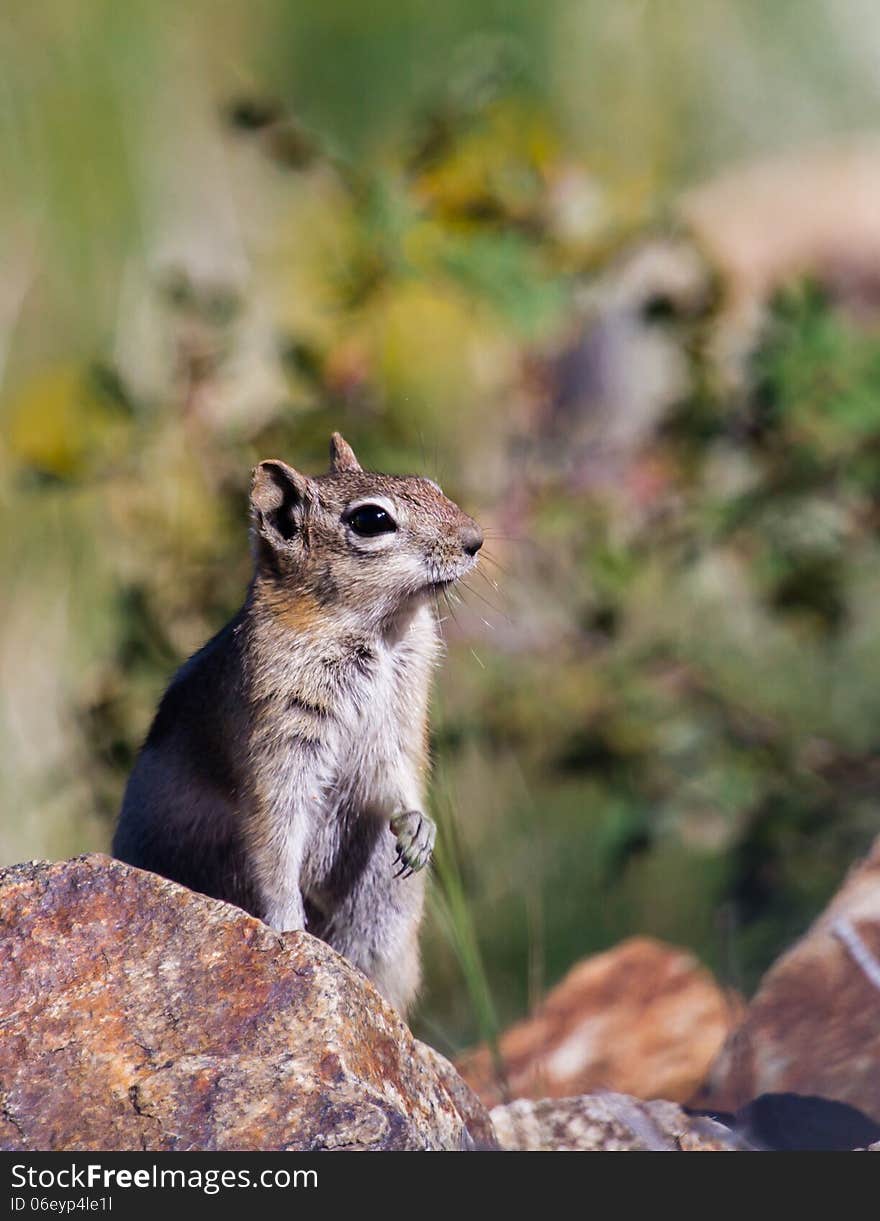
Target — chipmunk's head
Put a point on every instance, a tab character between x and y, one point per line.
357	539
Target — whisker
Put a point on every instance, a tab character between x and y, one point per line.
490	581
477	660
491	605
439	617
506	538
484	555
451	609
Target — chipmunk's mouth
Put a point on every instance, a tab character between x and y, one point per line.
438	584
443	573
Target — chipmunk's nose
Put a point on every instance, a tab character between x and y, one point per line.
471	538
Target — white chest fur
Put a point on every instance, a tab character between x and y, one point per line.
382	744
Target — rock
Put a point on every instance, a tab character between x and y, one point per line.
813	1026
470	1108
643	1018
751	224
607	1122
138	1015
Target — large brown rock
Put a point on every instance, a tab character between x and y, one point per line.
607	1122
814	1024
643	1018
135	1014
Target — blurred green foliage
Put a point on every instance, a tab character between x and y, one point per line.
229	232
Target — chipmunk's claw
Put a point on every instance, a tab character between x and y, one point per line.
415	834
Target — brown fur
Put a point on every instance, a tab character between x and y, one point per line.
284	750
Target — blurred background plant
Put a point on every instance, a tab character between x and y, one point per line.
517	247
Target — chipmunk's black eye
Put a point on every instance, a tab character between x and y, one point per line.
370	520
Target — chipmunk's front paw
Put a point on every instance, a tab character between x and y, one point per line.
415	834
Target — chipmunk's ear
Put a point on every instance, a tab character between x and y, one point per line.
278	496
342	455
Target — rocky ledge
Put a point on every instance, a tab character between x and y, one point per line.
138	1015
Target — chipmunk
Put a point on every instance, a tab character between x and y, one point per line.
285	749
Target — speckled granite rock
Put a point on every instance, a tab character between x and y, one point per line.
138	1015
813	1026
643	1018
596	1122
